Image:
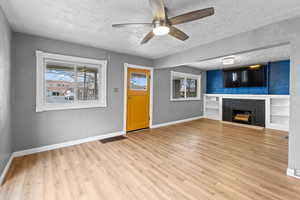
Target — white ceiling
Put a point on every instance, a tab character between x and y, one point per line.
247	58
89	21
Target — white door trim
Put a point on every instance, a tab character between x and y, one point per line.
126	66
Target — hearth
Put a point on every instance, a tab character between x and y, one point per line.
244	111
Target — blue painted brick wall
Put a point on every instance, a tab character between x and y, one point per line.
278	81
279	77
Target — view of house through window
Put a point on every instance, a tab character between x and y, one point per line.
87	78
178	87
185	86
60	83
191	87
66	83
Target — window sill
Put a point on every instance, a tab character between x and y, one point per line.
192	99
68	107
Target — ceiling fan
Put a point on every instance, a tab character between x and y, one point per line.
162	25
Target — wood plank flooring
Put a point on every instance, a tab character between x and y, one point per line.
196	160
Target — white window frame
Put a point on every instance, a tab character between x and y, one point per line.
42	105
186	76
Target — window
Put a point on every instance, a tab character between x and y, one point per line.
138	81
66	82
185	86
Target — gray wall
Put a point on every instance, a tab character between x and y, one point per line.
31	129
294	137
166	110
5	92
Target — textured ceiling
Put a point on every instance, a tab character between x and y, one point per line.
89	21
253	57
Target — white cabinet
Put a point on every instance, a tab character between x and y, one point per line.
279	113
277	108
213	107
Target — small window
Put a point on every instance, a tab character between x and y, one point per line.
138	81
185	86
65	82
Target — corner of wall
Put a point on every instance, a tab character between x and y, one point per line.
6	142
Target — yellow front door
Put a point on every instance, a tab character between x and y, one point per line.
138	99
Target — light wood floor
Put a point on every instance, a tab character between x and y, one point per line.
197	160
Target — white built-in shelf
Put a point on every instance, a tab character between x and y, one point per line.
280	106
278	111
278	115
277	108
212	107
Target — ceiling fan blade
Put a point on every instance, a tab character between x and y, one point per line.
132	25
148	37
158	9
175	32
192	16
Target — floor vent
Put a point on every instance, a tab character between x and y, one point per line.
113	139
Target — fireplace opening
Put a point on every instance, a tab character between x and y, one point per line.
242	116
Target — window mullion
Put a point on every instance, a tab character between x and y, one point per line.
185	85
76	85
99	88
44	82
199	87
172	86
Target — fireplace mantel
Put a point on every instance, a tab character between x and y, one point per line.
276	108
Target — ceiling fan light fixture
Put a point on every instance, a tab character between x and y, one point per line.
163	25
161	30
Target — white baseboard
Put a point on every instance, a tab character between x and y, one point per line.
5	171
292	173
176	122
66	144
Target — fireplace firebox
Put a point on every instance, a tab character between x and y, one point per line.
244	111
242	116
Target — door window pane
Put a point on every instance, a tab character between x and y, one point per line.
138	81
60	83
87	78
178	87
191	87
